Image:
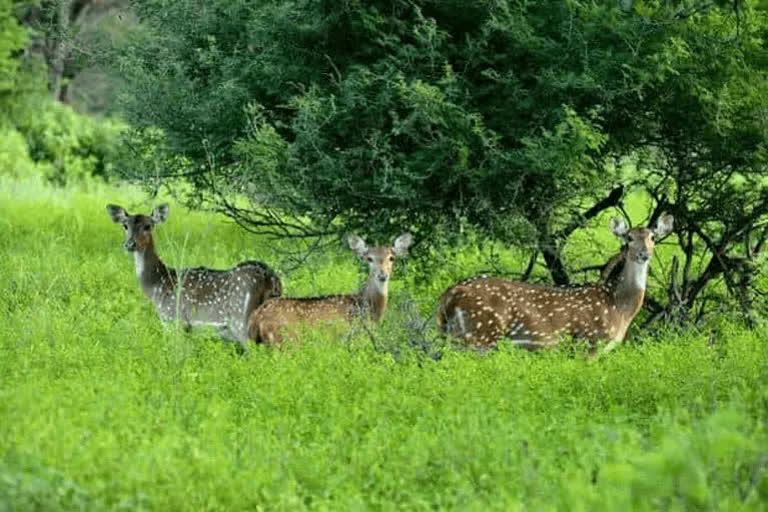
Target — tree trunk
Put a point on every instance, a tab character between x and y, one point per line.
58	53
551	252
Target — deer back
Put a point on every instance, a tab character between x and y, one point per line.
203	296
483	310
266	323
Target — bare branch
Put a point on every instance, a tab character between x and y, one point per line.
611	200
529	268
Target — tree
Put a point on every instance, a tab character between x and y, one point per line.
68	35
38	135
514	116
700	140
376	112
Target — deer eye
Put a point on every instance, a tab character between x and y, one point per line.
125	227
147	227
653	238
370	259
391	258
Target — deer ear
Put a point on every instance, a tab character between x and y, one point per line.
402	243
117	213
357	244
619	227
160	213
664	226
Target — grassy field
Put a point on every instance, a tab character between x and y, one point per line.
101	408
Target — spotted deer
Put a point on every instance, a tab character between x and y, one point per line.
195	296
281	316
482	310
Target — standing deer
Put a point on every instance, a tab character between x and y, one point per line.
482	310
268	321
195	296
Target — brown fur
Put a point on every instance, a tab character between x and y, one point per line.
282	317
482	310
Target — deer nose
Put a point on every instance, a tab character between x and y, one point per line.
383	277
643	256
130	245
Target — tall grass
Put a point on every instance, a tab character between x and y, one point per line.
102	408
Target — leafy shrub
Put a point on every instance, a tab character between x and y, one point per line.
13	38
14	155
67	146
38	135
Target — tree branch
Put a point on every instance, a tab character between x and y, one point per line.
531	263
611	200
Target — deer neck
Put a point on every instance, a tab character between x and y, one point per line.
629	288
149	268
374	297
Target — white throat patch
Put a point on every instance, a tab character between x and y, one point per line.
375	287
138	257
637	273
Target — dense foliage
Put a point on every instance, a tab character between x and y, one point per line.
374	111
12	42
52	140
522	119
39	135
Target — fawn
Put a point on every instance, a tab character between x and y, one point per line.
268	321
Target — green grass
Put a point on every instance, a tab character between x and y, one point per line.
101	408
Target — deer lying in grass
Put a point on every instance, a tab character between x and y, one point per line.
195	296
482	310
268	322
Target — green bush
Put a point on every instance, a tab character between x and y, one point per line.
54	141
38	135
67	146
14	155
12	39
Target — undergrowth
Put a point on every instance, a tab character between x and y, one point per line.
103	408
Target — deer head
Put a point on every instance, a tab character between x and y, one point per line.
640	242
138	228
380	259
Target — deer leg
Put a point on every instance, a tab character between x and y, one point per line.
611	345
234	331
454	323
228	336
263	332
595	351
226	333
276	335
252	302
